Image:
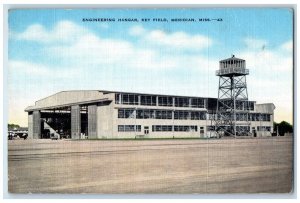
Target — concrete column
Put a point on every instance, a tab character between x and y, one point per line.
36	125
75	122
92	121
30	125
139	98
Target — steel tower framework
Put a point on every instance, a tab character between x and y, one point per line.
232	106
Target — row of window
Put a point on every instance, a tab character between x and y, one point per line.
264	128
253	117
259	117
189	115
243	117
162	128
182	128
153	114
158	128
161	114
239	105
129	128
184	115
150	100
244	128
176	128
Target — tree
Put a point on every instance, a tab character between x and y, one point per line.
13	126
283	127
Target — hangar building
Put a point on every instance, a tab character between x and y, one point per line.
97	114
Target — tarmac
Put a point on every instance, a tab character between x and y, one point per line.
187	166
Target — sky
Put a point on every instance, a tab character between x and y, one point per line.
53	50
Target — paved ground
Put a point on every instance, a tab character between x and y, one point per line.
151	166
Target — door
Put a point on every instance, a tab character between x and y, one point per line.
201	131
253	131
146	130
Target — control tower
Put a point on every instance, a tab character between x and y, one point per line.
232	106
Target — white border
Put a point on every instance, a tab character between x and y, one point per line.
133	4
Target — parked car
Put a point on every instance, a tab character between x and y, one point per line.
54	136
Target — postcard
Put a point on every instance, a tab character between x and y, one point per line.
188	100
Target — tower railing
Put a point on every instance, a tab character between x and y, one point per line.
232	70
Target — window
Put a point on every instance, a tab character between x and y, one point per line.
197	103
195	115
259	117
193	128
162	128
129	113
126	113
140	114
161	114
129	128
148	100
121	113
251	105
117	98
249	117
242	128
158	114
169	115
265	117
165	101
125	99
138	128
255	117
240	105
130	99
153	114
241	117
148	114
182	102
181	115
121	128
156	128
185	128
145	114
264	128
166	128
198	115
210	128
212	116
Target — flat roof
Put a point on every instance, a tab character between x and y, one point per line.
152	94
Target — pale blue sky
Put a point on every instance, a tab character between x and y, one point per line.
54	50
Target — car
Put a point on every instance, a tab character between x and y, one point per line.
54	136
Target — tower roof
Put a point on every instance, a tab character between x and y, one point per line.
233	57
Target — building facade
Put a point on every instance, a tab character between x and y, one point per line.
100	114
